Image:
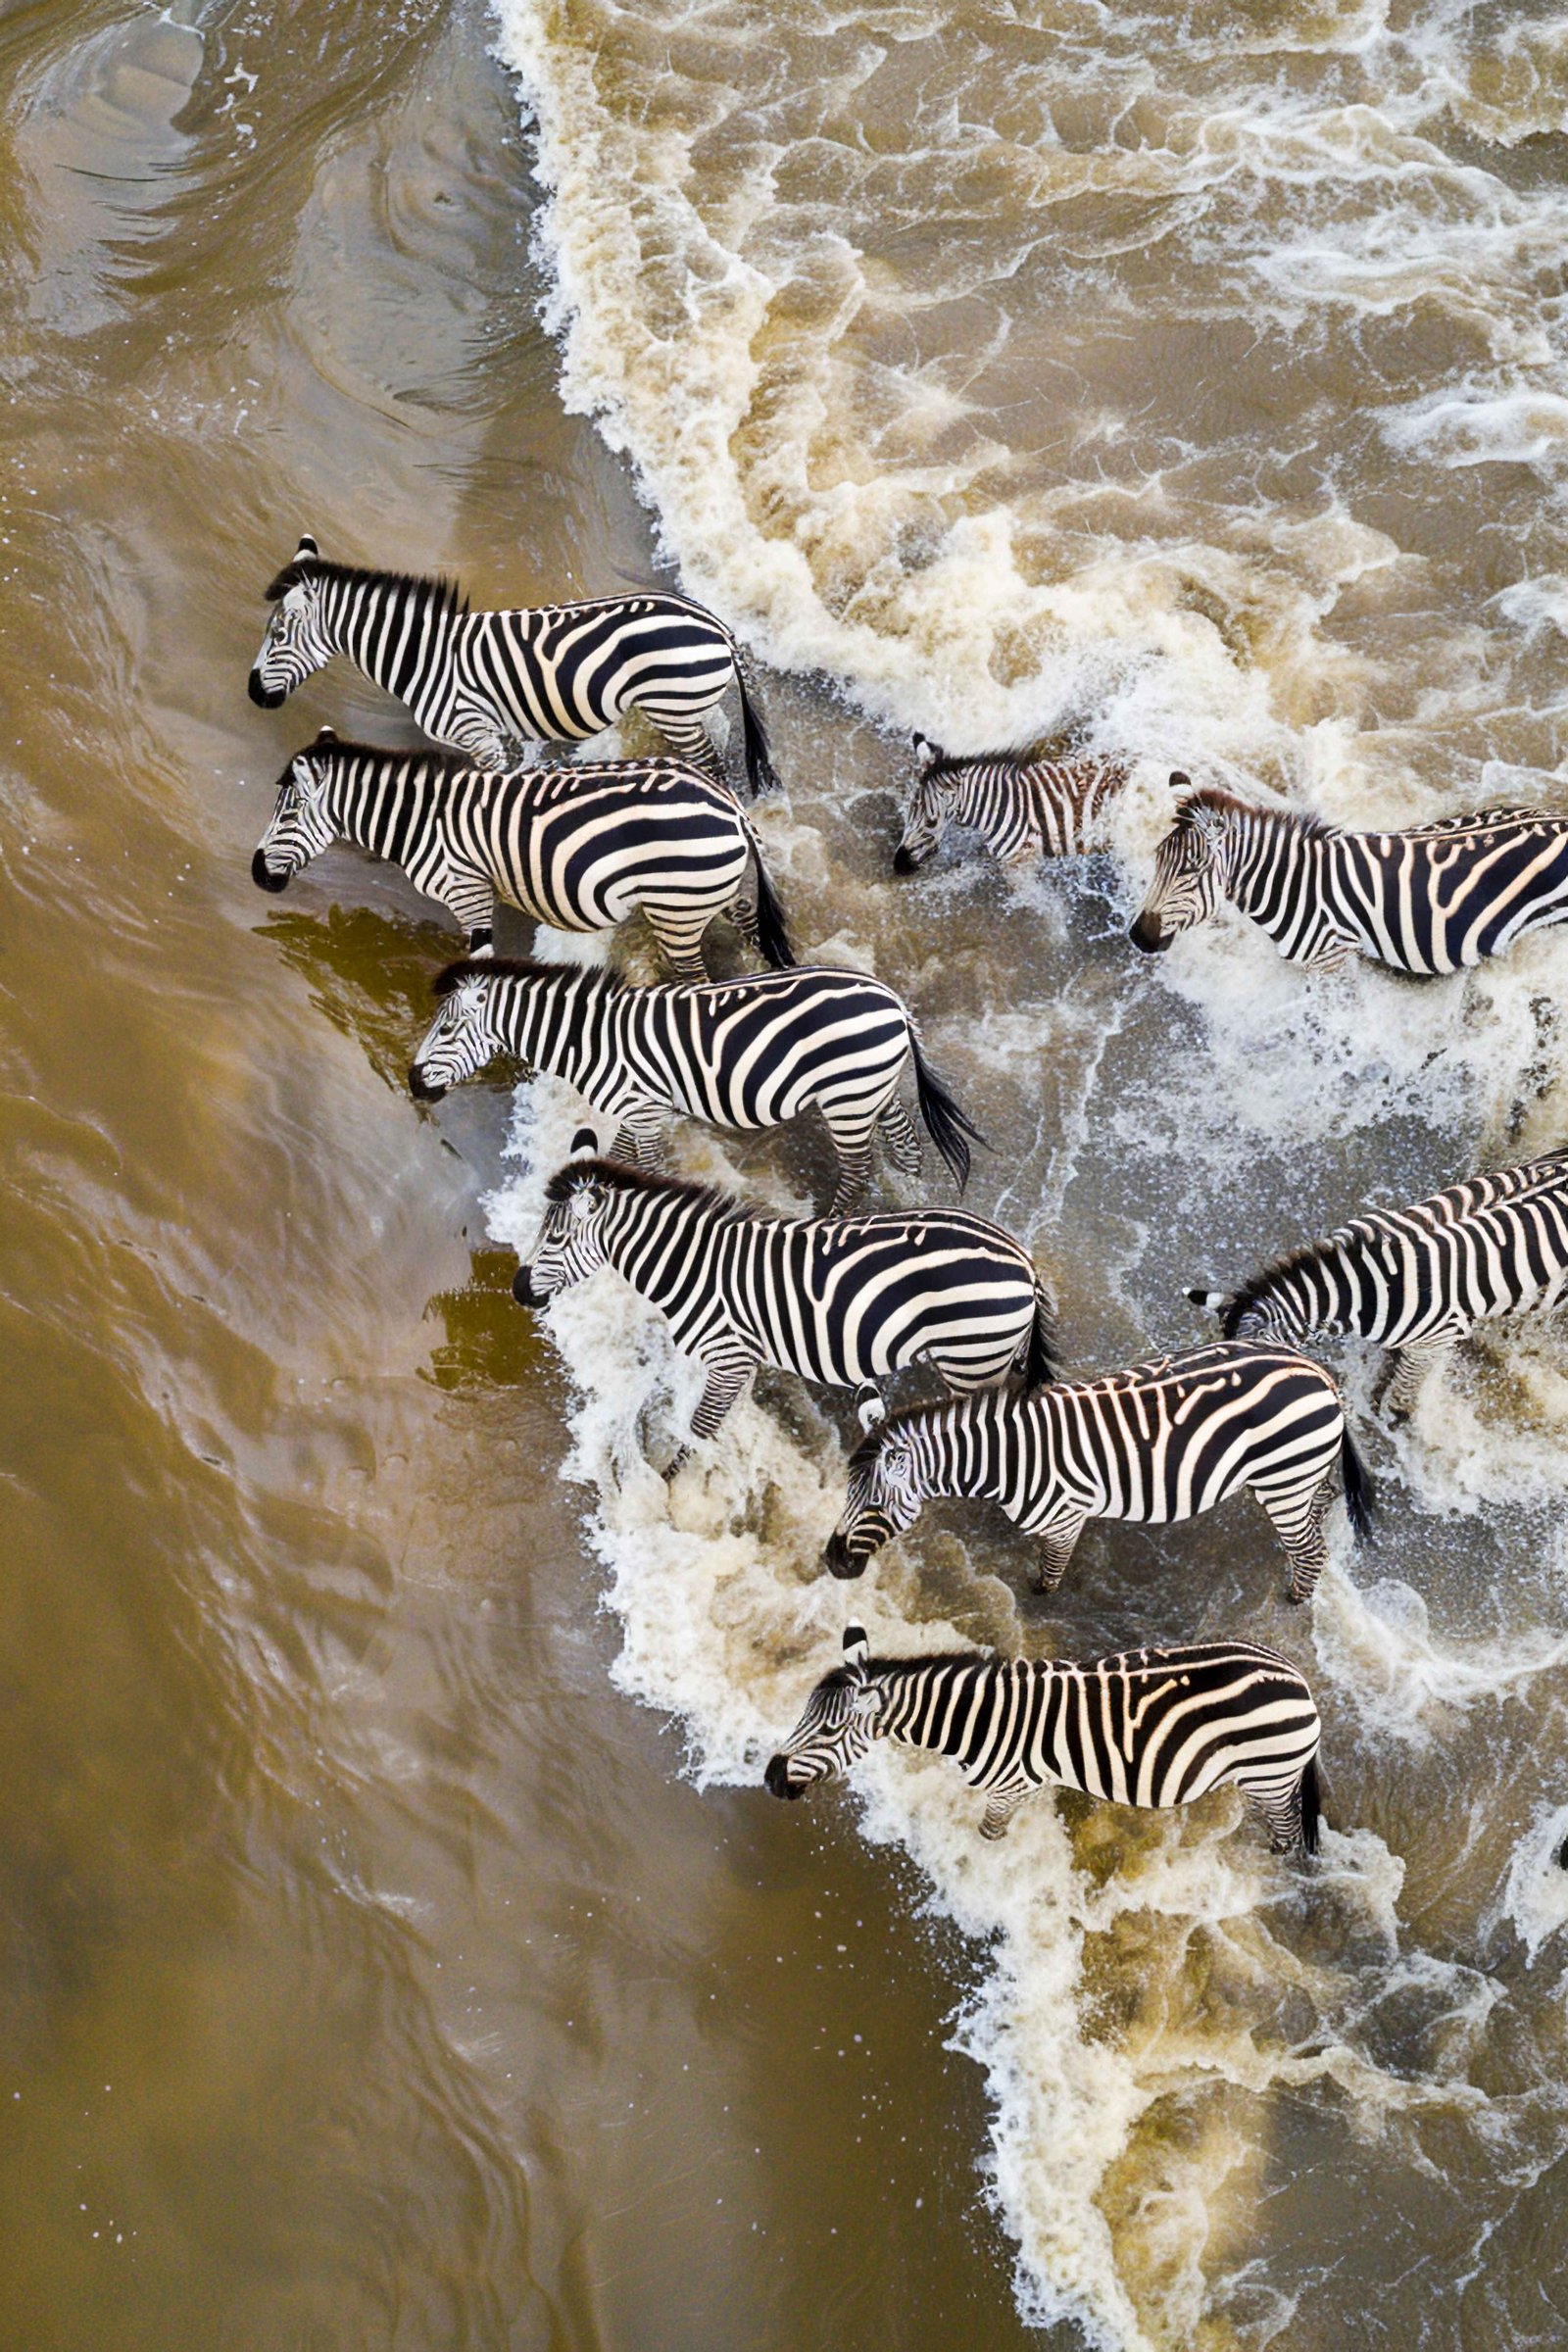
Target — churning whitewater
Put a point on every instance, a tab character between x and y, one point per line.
1190	389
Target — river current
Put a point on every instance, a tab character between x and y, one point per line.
398	1944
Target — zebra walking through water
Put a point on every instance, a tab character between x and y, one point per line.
580	847
489	683
1022	808
1436	899
1159	1442
747	1053
840	1300
1147	1727
1417	1280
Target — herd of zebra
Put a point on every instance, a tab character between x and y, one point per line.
850	1299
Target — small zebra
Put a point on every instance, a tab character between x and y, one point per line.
1417	1280
843	1301
1161	1442
1436	899
747	1053
580	847
489	683
1022	808
1147	1727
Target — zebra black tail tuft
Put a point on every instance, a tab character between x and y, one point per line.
772	937
1040	1365
1358	1499
760	774
1311	1807
946	1123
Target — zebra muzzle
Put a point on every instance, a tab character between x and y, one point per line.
904	861
266	698
838	1559
1146	934
420	1086
776	1780
523	1289
264	877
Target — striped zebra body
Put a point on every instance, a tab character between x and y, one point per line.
1418	1280
749	1053
1023	808
1146	1727
1161	1442
580	847
1436	898
844	1300
487	683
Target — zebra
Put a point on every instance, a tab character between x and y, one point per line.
1436	899
1023	808
1160	1441
842	1301
1419	1279
580	847
1146	1727
746	1053
487	682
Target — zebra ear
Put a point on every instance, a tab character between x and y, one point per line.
326	735
306	547
584	1144
925	751
856	1649
1179	780
1216	1302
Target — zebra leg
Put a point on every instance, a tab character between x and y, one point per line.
472	899
1058	1542
477	733
679	933
1279	1811
690	740
726	1381
853	1148
900	1140
1298	1521
1410	1366
640	1137
868	1404
1004	1802
743	914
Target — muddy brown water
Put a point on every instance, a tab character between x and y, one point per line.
373	1971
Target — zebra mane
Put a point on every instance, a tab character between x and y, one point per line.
1257	1287
440	759
593	979
940	762
428	590
912	1416
617	1176
1229	804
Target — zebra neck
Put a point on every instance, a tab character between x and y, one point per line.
1272	868
394	631
665	1244
553	1024
367	800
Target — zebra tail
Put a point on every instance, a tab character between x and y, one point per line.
1358	1499
772	936
760	774
1040	1365
1311	1807
946	1122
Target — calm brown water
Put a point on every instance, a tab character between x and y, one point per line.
397	1948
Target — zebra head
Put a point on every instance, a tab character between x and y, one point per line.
838	1726
464	1035
886	1492
929	809
302	825
296	643
571	1240
1190	867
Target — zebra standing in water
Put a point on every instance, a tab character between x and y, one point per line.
842	1301
1436	899
1159	1442
1023	808
1147	1727
1419	1279
489	682
749	1053
580	847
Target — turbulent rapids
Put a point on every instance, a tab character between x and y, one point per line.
1183	387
